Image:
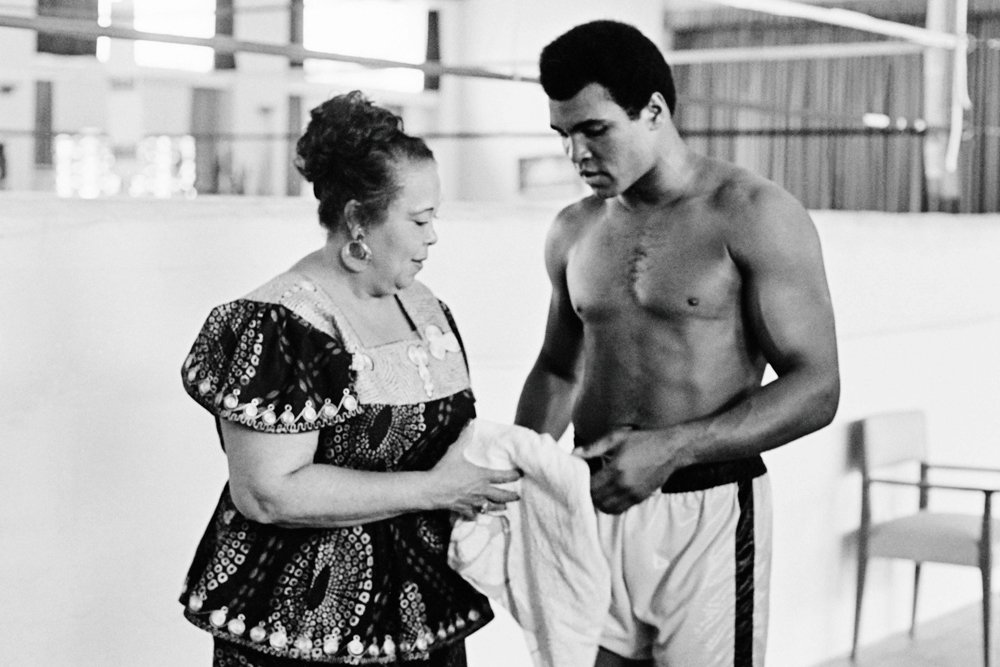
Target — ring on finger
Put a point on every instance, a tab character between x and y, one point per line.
484	507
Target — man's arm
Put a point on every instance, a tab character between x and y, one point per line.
788	313
790	316
546	401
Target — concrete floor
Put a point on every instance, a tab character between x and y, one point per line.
952	640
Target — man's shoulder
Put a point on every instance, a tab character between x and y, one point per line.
581	211
756	215
579	215
743	197
569	225
737	186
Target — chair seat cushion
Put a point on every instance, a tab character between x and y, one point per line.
931	536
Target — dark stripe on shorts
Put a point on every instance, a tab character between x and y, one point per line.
743	635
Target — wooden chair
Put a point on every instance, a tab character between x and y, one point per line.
896	438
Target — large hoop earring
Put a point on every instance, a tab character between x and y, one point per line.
356	255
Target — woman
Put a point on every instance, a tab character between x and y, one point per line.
338	388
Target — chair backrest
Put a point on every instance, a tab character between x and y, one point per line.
893	437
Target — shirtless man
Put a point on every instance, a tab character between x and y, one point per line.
673	286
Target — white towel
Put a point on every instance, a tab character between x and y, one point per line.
540	557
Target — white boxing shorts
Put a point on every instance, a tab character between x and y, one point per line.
690	569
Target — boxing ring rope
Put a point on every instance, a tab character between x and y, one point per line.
851	19
79	28
791	52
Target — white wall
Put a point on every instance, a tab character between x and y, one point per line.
110	472
916	297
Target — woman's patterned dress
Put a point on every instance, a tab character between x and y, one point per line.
285	360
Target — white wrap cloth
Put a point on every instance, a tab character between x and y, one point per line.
540	557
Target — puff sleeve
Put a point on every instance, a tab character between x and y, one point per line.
263	366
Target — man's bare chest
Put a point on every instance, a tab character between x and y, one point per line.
672	274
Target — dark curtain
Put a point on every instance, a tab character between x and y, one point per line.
43	123
293	180
799	122
224	19
296	23
433	54
66	45
981	151
206	126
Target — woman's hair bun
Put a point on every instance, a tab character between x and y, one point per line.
348	152
341	131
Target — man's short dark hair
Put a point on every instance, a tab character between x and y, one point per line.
613	54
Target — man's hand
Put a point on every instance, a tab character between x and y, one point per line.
634	464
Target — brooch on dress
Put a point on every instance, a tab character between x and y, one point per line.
439	344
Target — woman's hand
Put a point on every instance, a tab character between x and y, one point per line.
467	489
273	480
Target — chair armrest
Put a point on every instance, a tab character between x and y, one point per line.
950	466
929	485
